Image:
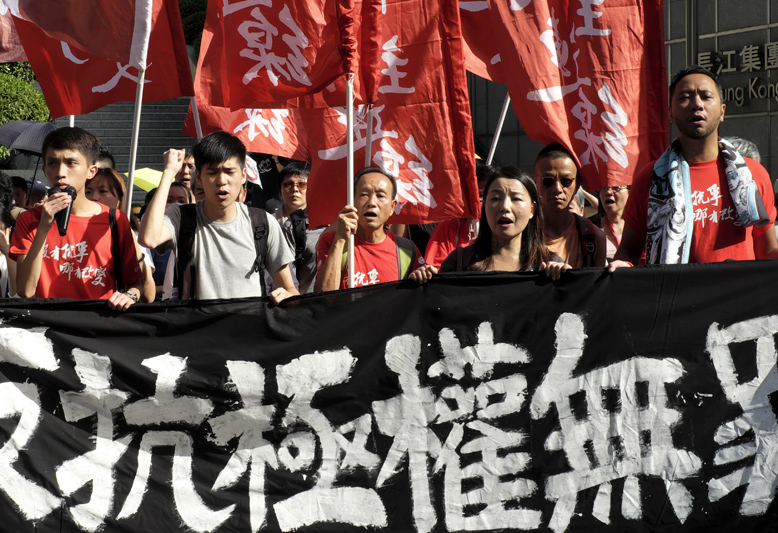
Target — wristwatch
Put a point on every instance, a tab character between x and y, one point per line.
132	295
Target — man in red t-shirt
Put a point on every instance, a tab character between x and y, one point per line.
79	264
378	254
717	233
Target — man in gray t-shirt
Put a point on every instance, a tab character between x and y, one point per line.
224	251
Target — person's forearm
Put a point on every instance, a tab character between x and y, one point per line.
11	278
330	275
148	290
151	234
28	270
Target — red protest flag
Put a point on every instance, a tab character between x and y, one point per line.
75	82
269	131
271	52
272	131
421	130
589	75
10	46
482	53
116	30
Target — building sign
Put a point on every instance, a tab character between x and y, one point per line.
751	58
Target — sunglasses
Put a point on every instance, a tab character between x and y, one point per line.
549	182
614	188
289	185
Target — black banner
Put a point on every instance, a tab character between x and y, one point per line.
636	401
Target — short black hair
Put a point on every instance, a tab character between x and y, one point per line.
376	170
107	156
554	150
76	139
20	182
216	148
295	168
688	71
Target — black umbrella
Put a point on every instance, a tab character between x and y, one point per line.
25	135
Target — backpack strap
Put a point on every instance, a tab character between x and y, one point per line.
460	258
588	240
185	246
299	225
406	256
259	223
116	251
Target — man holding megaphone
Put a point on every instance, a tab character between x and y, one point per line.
72	247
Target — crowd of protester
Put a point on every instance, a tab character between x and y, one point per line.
203	234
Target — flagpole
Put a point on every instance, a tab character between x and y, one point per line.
350	168
71	120
369	136
196	115
499	129
134	142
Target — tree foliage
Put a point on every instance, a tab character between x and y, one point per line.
21	70
19	101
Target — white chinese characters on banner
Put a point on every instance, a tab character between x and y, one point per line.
615	424
166	407
758	416
457	426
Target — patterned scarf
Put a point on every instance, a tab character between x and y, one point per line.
670	211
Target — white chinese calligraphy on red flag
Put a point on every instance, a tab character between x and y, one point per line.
269	131
591	75
75	82
421	130
272	51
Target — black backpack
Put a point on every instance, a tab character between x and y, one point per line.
185	241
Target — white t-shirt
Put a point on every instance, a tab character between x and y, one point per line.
224	253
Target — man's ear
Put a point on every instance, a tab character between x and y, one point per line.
245	176
92	172
723	110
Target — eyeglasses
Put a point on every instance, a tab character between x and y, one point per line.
549	182
614	188
289	185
